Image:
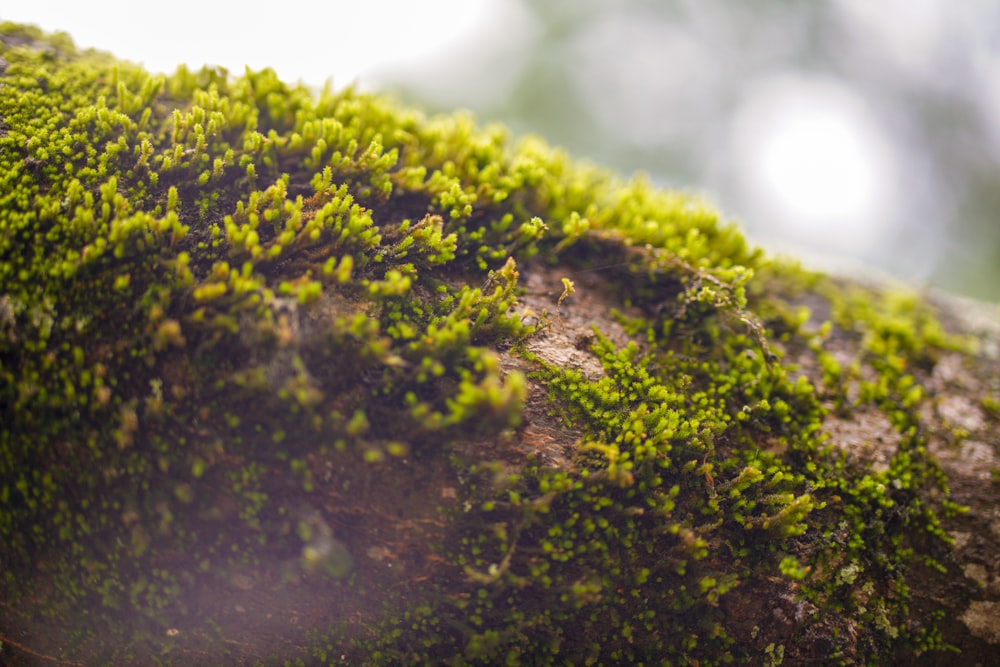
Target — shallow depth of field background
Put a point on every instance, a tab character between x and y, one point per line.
856	134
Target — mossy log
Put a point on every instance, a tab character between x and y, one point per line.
295	378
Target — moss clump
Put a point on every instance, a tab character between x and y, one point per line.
257	338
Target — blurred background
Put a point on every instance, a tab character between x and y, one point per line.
855	134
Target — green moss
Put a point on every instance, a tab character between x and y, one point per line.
225	297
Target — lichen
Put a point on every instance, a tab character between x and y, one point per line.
225	299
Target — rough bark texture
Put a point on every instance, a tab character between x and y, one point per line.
312	379
968	593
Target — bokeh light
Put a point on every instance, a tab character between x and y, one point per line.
812	160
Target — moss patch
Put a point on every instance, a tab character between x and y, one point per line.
296	376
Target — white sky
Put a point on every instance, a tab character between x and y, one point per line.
309	41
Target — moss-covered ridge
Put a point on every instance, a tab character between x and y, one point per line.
247	330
